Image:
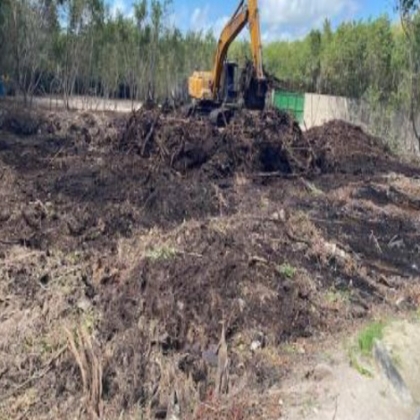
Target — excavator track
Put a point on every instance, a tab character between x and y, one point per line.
221	117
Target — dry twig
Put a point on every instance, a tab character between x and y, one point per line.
222	364
90	370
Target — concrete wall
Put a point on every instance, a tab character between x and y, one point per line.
320	109
82	103
394	127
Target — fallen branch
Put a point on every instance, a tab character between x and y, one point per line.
277	174
149	134
50	162
8	242
375	241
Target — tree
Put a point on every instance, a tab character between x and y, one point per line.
410	20
379	48
408	6
314	67
26	28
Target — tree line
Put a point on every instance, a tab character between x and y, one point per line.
68	47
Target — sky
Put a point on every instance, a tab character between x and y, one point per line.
280	19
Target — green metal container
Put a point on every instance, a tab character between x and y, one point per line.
290	102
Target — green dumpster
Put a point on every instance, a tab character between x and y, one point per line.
290	102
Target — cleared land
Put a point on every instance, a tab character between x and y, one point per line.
128	240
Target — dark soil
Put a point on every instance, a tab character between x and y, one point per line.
176	225
344	148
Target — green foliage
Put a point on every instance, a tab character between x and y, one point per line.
360	352
364	59
367	337
338	296
287	270
95	52
357	364
161	253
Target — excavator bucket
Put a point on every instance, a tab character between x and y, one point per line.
252	89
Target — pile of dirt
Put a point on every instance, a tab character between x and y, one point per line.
109	175
274	277
168	141
270	141
127	240
20	122
262	142
343	147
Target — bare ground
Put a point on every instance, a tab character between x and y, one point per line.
128	242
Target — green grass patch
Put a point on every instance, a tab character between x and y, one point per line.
286	270
357	364
360	348
368	336
337	296
289	348
161	253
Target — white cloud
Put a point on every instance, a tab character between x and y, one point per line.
281	19
297	17
200	18
201	21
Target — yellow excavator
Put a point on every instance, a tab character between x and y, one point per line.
221	91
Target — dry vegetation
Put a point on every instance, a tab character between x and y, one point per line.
153	267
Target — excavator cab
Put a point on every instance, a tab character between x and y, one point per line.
240	86
230	83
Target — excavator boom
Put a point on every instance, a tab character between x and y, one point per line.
246	13
228	35
255	30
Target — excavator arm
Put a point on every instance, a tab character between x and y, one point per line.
255	30
232	29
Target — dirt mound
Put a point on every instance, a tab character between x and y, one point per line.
109	175
168	141
268	142
189	281
20	122
271	141
343	147
214	274
273	277
127	240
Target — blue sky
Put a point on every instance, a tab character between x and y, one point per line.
280	19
